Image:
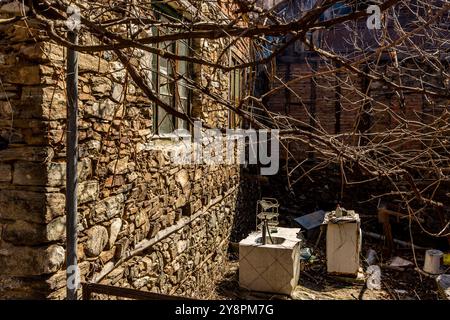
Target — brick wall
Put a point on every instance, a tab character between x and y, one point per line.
330	106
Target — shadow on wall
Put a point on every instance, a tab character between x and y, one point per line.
249	192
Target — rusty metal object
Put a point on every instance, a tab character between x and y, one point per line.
266	216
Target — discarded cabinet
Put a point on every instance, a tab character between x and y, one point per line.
343	243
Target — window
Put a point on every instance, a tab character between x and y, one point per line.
167	75
237	77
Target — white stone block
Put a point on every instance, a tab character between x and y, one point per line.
271	268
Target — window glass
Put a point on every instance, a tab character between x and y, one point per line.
183	92
170	88
236	93
166	120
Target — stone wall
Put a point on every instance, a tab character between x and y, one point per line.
144	222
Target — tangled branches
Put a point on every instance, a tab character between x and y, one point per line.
340	93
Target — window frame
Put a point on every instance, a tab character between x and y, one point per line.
234	120
173	67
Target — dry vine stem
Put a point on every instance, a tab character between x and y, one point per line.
374	75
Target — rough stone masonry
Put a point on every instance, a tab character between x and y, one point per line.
144	223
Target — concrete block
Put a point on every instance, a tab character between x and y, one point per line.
271	267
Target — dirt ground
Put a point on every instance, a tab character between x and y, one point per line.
316	284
